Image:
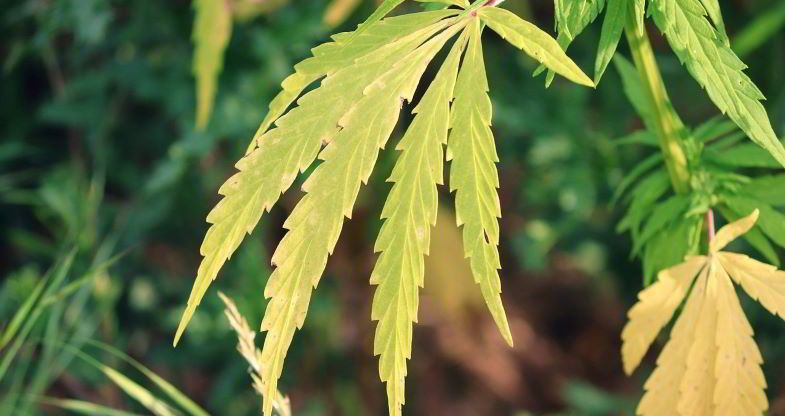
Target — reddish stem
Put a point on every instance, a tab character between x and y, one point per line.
710	223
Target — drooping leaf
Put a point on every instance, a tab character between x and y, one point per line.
662	388
410	212
473	176
315	223
656	305
534	42
761	281
292	146
711	365
572	17
740	381
716	68
212	29
698	383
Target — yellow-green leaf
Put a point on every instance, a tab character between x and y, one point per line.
292	146
341	52
534	42
409	213
315	223
473	175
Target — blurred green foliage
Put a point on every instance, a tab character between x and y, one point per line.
105	183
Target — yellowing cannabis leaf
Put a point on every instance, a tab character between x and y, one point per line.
315	223
212	29
532	40
345	121
473	176
711	365
343	51
292	146
410	212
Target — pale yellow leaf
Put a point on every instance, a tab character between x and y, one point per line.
662	387
740	382
655	308
698	383
732	231
763	282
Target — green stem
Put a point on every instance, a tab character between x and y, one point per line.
667	125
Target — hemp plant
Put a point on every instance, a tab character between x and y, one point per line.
364	76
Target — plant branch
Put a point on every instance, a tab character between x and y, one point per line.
667	125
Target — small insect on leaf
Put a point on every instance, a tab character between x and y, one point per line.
711	364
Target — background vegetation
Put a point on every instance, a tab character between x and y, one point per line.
105	183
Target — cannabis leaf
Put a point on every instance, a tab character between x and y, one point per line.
706	54
532	40
410	212
280	154
612	27
473	177
710	365
572	17
212	29
345	121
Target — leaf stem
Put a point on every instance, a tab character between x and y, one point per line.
667	125
710	223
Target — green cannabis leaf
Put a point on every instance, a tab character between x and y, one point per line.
705	52
365	77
